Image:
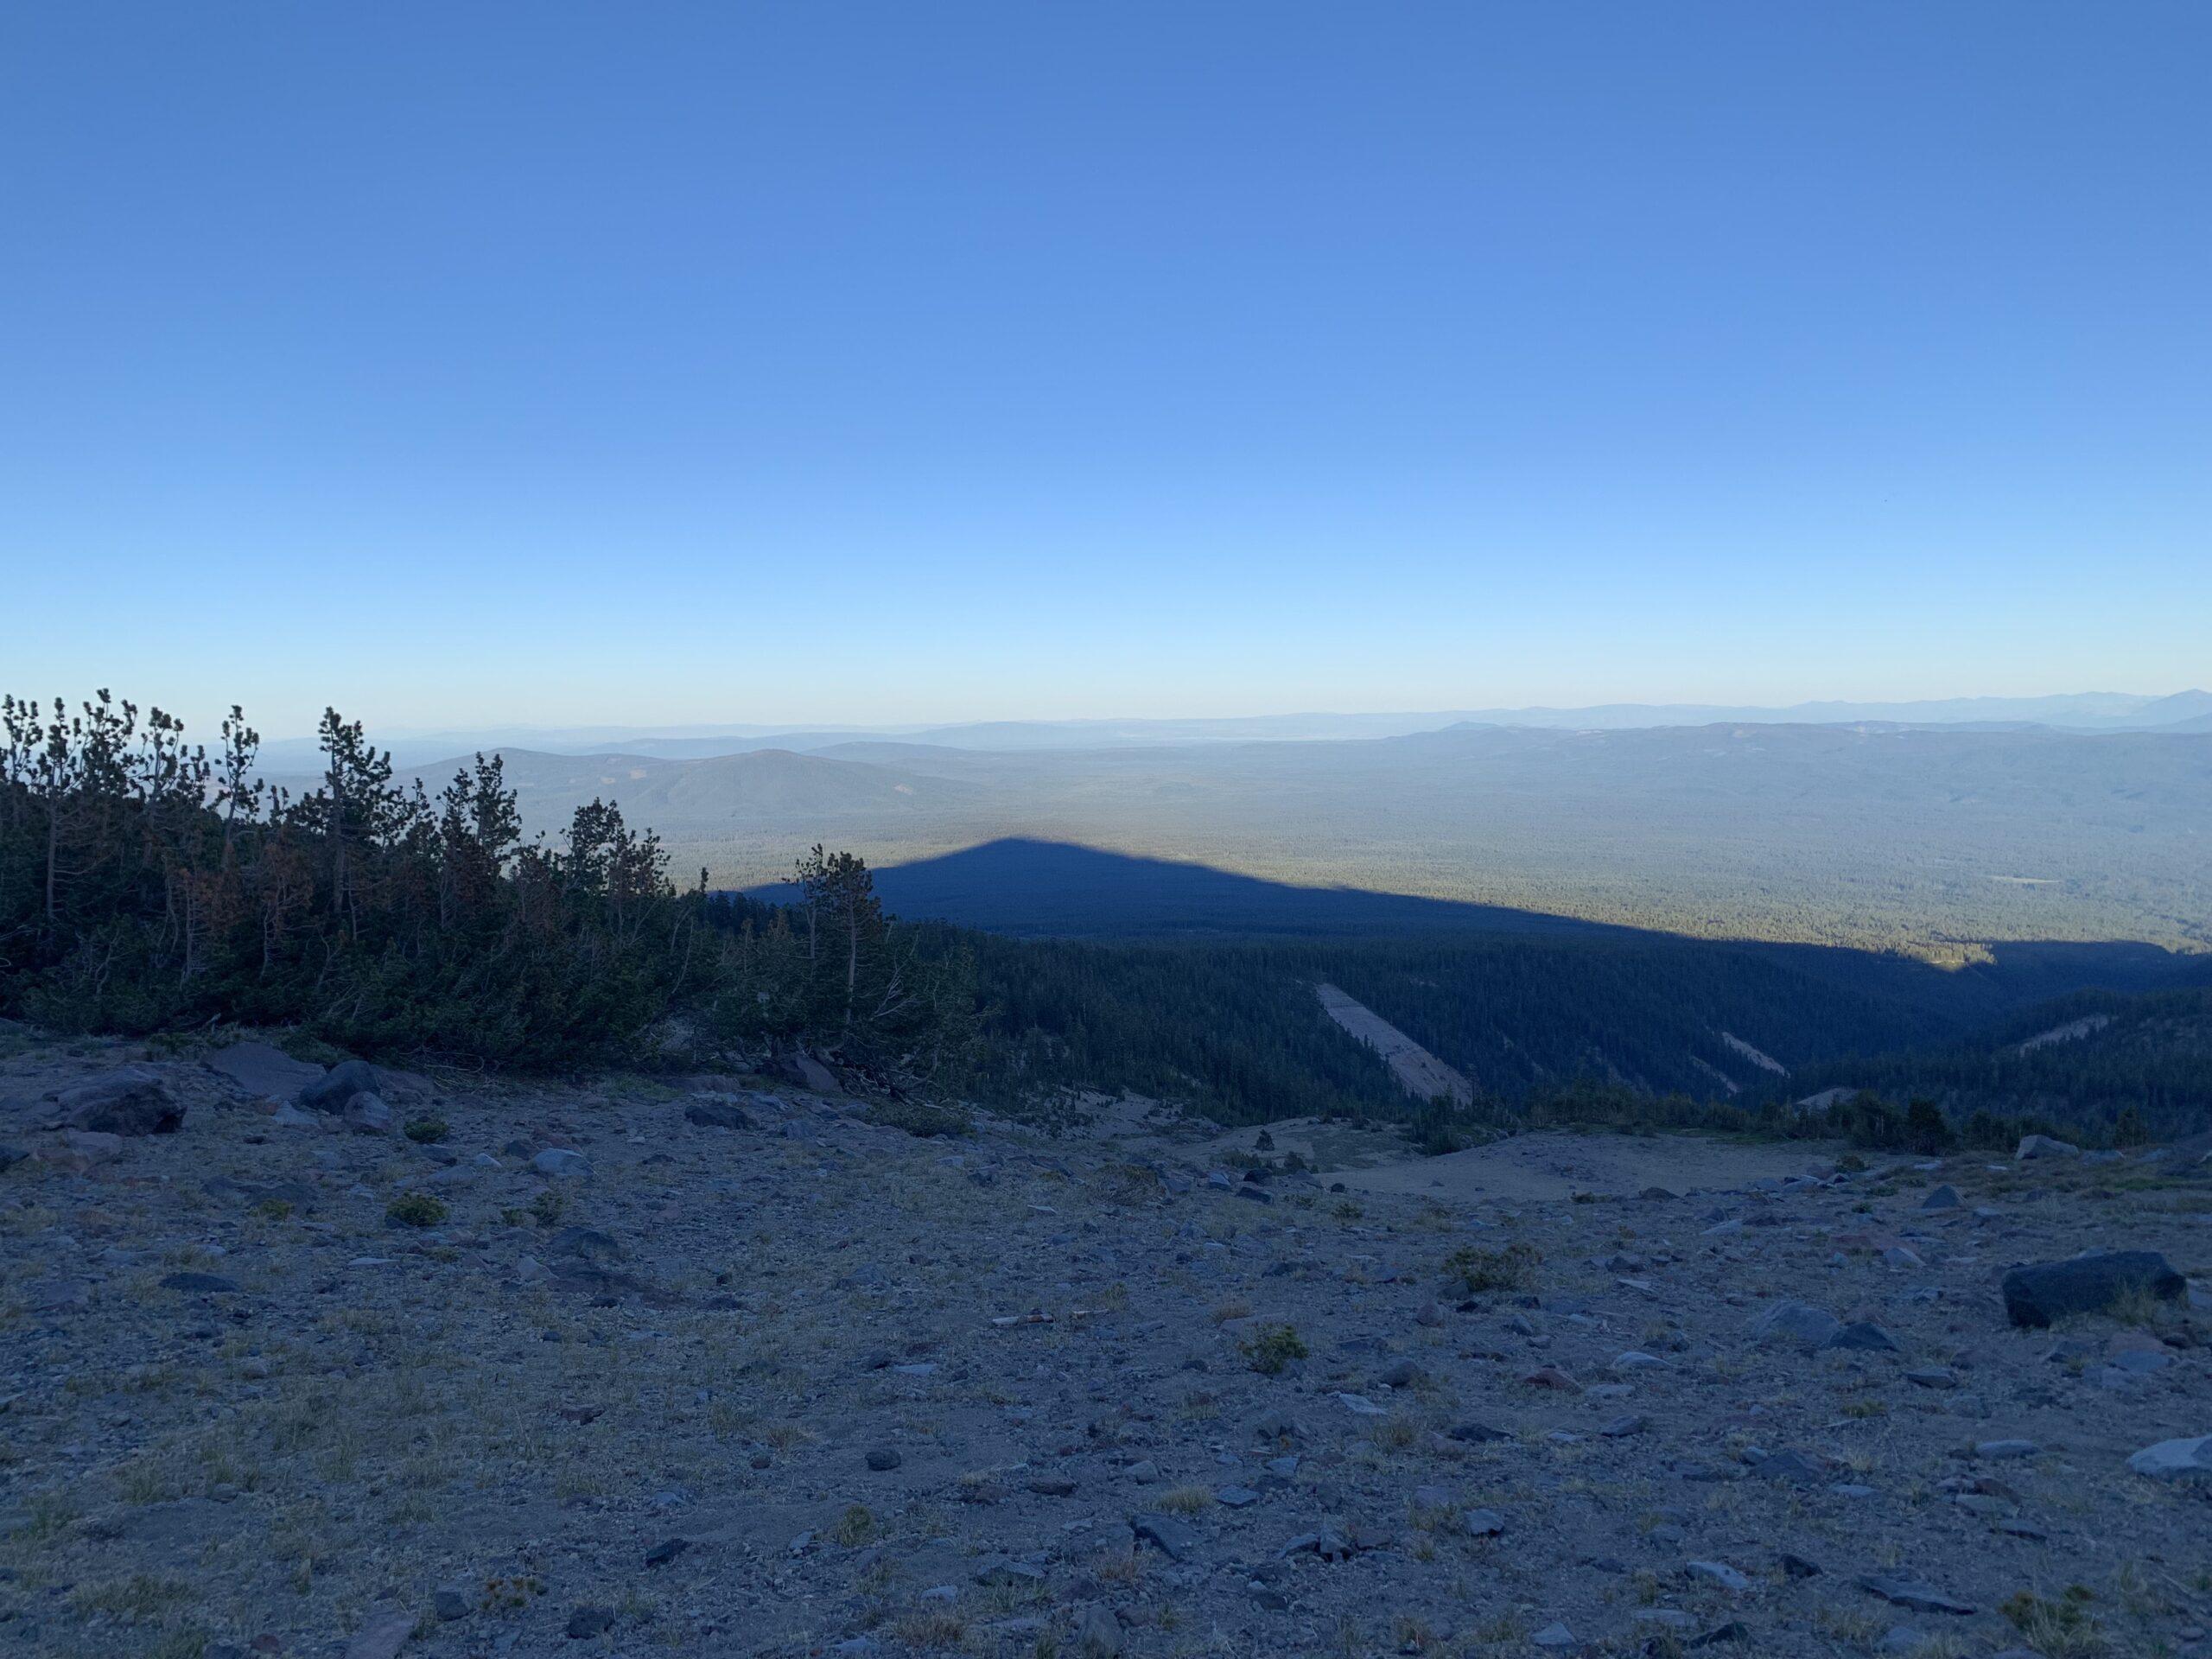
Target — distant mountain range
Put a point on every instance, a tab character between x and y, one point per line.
2086	711
1933	839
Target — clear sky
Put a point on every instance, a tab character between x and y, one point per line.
832	362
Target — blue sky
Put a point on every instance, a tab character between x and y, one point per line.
653	363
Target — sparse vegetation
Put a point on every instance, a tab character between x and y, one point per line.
1272	1348
1473	1270
415	1209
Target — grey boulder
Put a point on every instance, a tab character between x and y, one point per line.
2175	1459
263	1070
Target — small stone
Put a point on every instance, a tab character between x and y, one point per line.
1799	1324
1236	1497
560	1161
1943	1197
382	1638
883	1459
1550	1377
1719	1573
1172	1538
1621	1428
666	1551
1476	1434
1997	1449
1001	1572
449	1602
198	1283
1919	1598
1097	1633
1864	1335
1555	1637
366	1114
1482	1523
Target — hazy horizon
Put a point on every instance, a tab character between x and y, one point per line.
2086	708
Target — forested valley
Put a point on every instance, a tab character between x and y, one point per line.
149	887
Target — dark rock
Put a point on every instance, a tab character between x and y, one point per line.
666	1551
10	1156
1478	1433
1864	1335
883	1459
330	1092
802	1068
1797	1566
210	1282
1172	1538
129	1100
2036	1296
586	1621
1943	1197
711	1113
1921	1599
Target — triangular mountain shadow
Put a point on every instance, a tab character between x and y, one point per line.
1041	889
1057	889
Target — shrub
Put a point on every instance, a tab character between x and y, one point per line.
1510	1269
1272	1348
426	1131
414	1209
918	1117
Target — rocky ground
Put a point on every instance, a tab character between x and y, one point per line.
723	1368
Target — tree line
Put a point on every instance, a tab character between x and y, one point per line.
147	884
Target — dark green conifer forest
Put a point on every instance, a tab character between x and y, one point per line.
147	885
